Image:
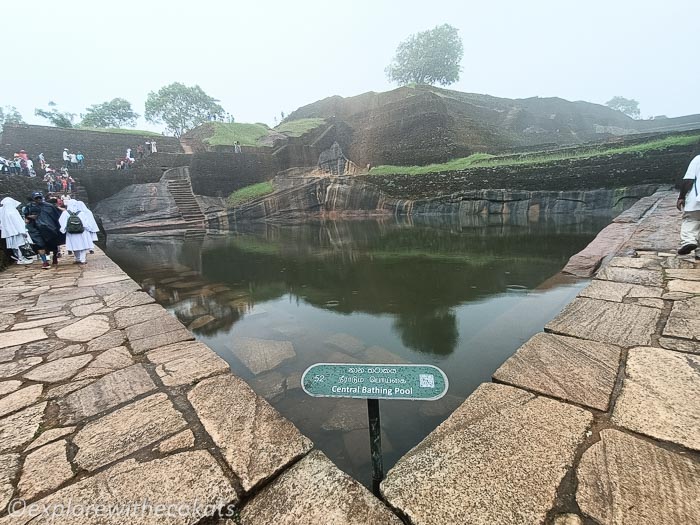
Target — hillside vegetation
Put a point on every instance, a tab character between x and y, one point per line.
227	133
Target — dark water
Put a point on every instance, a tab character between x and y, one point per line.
463	297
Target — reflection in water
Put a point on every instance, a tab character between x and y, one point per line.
459	296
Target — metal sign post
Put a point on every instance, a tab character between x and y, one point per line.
374	382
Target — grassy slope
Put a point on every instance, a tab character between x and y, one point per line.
249	193
225	134
480	160
296	128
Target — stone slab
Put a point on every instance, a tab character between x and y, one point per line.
105	342
20	399
45	470
156	340
49	436
261	355
346	343
138	314
127	299
18	366
58	370
86	329
685	274
20	337
680	345
107	392
107	362
623	479
68	351
183	440
191	481
9	467
63	390
571	369
124	431
8	354
641	276
635	262
158	326
498	459
19	429
615	323
186	363
678	285
41	322
256	441
315	491
617	292
657	396
7	387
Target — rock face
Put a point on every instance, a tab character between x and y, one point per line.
655	396
622	479
498	459
254	438
315	491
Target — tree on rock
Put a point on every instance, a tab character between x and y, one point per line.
428	57
628	106
181	108
10	115
60	119
116	113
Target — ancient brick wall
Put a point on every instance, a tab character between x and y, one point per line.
100	148
100	184
220	174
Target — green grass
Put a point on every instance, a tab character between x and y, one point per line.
225	134
122	130
296	128
249	193
483	160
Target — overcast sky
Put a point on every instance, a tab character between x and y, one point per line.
261	58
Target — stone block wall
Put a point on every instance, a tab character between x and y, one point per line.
220	174
100	184
100	148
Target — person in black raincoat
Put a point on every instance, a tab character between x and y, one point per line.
42	225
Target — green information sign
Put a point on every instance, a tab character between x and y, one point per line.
415	382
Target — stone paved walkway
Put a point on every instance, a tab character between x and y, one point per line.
111	413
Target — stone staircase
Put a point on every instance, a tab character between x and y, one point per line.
180	187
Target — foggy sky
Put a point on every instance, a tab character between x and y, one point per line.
261	58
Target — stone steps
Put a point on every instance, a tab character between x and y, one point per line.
180	188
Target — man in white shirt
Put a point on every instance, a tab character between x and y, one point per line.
689	203
66	158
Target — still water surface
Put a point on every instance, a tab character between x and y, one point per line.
462	297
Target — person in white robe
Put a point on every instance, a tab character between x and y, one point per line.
14	229
78	243
89	222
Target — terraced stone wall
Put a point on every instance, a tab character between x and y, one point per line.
220	174
102	183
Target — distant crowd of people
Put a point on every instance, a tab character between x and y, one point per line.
125	163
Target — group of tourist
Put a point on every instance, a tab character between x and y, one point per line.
20	164
72	160
125	163
41	227
58	181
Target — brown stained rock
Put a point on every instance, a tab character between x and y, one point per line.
49	436
685	274
19	337
108	361
185	363
127	299
261	355
576	370
678	285
107	392
660	396
641	276
17	367
42	322
126	430
20	399
684	320
608	240
346	343
7	387
623	479
58	370
86	329
68	351
680	345
616	323
18	429
181	441
105	342
254	438
44	470
568	519
191	482
9	467
315	491
498	459
138	314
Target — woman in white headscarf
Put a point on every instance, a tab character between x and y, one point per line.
89	220
14	229
78	243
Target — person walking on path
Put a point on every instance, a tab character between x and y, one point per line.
42	224
78	227
689	203
66	158
81	160
14	229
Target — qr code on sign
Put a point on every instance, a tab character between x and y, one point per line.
427	380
